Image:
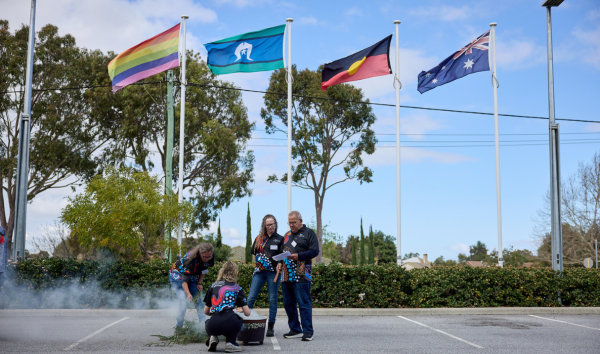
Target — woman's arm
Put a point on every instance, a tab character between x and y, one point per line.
246	310
186	288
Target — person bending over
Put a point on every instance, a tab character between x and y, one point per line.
303	245
223	296
266	245
186	277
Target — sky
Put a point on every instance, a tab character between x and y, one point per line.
448	189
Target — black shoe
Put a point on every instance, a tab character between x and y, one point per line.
270	330
292	334
307	337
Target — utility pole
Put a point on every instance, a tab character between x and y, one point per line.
554	131
23	160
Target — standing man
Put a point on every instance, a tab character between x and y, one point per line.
303	245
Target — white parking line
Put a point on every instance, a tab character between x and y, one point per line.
442	332
275	343
549	319
93	334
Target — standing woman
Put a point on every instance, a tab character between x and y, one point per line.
266	245
186	277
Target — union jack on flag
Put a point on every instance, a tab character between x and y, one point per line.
469	59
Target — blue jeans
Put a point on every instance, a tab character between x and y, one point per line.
183	302
298	294
258	280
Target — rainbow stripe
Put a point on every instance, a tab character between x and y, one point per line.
148	58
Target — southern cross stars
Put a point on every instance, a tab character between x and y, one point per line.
434	81
468	64
428	74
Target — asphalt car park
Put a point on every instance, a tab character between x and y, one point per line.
333	334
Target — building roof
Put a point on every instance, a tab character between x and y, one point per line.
474	263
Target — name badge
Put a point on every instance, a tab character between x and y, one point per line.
274	247
205	271
294	243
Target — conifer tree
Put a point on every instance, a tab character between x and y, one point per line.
362	245
248	237
371	246
353	240
219	237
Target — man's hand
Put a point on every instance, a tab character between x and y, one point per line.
279	267
199	287
190	297
293	256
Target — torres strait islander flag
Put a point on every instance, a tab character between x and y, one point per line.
148	58
370	62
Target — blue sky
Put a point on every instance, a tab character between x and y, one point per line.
448	193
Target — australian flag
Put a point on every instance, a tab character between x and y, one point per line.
469	59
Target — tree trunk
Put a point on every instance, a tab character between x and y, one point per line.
319	230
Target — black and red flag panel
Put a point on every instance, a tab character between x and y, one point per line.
370	62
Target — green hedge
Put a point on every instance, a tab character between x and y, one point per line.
51	283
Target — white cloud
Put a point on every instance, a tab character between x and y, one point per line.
459	248
309	20
594	14
589	46
231	235
519	54
242	3
353	11
110	24
445	13
386	156
413	124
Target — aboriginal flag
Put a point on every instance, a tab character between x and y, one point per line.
370	62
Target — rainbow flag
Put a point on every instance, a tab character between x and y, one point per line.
148	58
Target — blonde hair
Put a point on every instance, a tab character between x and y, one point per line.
263	231
196	251
229	272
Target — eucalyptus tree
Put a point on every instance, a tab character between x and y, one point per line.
217	167
68	136
323	126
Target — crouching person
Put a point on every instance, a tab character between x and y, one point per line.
223	296
186	277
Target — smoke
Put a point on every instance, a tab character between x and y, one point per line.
75	294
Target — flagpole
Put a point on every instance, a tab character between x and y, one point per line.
181	128
498	198
289	109
398	203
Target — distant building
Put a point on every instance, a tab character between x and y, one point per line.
474	264
416	263
238	254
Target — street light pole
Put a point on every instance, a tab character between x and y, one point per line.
19	237
556	229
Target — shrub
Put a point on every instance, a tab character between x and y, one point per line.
67	283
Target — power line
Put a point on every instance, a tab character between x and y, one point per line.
317	98
450	146
450	141
389	105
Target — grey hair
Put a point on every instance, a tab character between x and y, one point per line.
296	214
196	251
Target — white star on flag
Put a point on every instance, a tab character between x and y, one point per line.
443	67
469	64
427	75
434	81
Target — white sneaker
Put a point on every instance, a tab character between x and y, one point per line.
230	348
212	343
